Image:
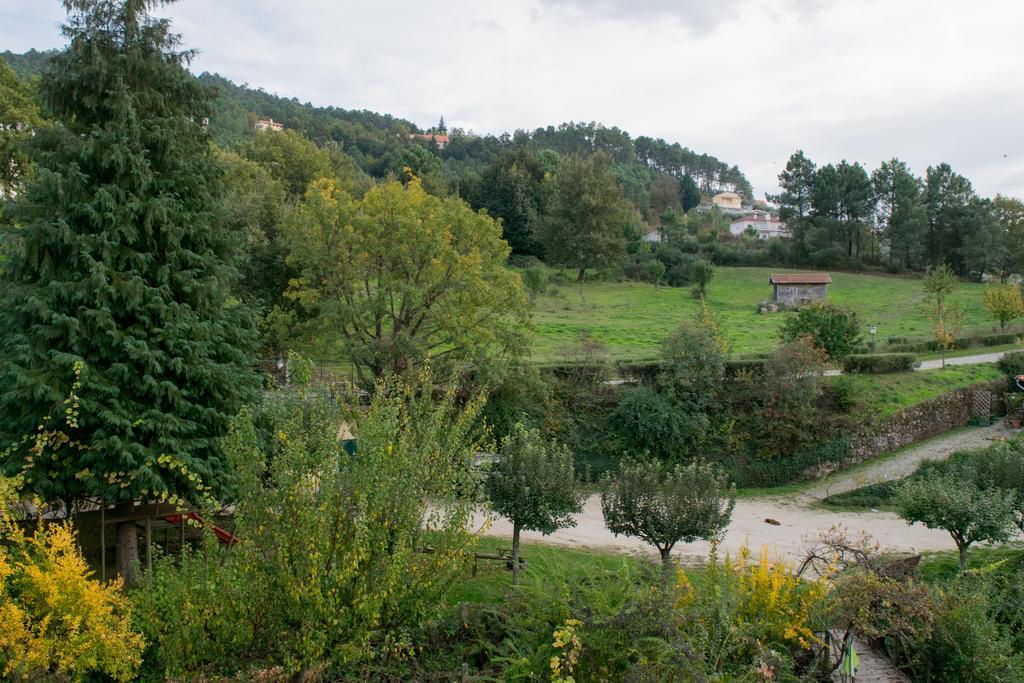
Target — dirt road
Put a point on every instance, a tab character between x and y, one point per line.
797	516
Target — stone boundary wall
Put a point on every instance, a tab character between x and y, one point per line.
915	423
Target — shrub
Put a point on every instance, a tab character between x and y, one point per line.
330	568
877	363
1012	363
536	282
782	470
54	617
896	341
833	328
694	366
647	421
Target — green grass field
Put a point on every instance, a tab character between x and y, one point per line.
892	392
631	318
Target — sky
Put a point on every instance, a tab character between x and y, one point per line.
748	81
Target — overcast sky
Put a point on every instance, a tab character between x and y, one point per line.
746	81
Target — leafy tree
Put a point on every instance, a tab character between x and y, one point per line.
18	115
945	316
1004	303
1009	215
584	227
949	501
796	199
1002	466
536	282
833	328
513	188
955	217
787	396
901	213
693	361
119	262
290	159
665	506
842	199
701	273
401	277
533	484
648	421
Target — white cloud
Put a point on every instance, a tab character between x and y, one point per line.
746	80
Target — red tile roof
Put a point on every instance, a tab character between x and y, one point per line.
800	279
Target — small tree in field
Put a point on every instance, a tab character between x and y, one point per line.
833	328
534	485
663	507
951	501
1004	303
944	315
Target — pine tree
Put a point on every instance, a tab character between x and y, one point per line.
118	263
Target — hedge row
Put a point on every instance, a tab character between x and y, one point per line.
998	339
1012	363
877	363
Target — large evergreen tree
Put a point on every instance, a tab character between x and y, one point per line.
901	213
119	263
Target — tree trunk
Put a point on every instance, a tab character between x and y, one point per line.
127	546
963	556
515	553
582	275
668	569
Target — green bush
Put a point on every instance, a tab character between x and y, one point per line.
648	421
1012	363
876	363
782	470
834	328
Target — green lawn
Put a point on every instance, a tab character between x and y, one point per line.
547	566
632	318
889	393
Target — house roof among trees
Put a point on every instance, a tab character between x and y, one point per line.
800	279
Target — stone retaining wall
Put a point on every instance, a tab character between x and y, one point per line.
916	423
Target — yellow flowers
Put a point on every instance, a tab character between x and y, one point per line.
54	616
567	646
774	598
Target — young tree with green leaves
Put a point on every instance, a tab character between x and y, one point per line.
402	277
1004	303
533	484
951	501
665	506
588	215
945	316
119	262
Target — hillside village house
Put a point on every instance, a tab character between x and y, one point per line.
439	139
268	124
728	200
765	224
797	288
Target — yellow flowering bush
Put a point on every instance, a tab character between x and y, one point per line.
54	617
774	602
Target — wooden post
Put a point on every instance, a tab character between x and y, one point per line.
149	552
103	540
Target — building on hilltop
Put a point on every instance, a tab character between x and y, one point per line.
798	288
268	124
439	139
767	225
728	200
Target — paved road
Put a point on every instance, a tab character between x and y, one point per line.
799	520
963	360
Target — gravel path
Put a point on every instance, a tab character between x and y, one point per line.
798	520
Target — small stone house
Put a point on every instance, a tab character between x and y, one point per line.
797	288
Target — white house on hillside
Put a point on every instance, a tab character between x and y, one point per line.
766	225
268	124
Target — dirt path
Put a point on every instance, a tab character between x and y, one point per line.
798	520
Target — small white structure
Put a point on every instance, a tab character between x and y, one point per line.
766	225
652	235
268	124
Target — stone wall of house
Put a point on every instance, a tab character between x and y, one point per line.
916	423
793	294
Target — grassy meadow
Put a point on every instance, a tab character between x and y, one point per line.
631	318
